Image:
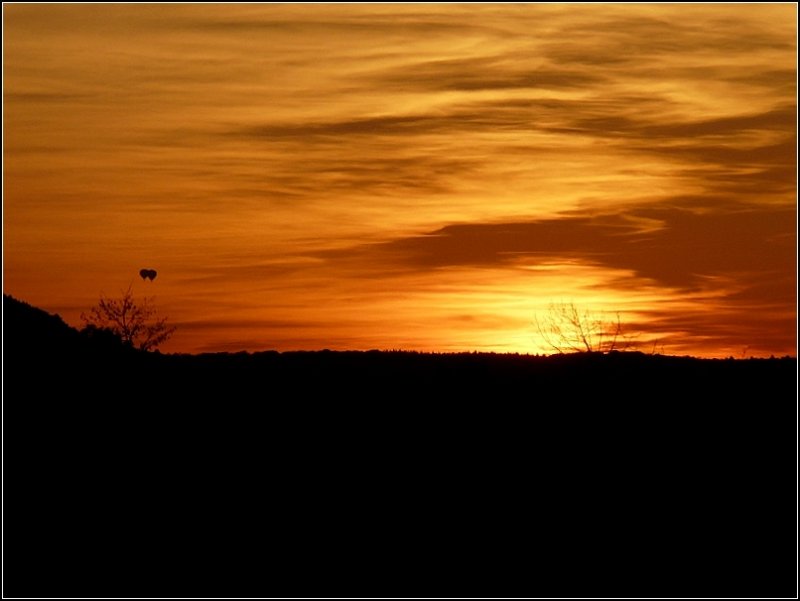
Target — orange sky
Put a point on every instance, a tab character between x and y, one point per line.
411	176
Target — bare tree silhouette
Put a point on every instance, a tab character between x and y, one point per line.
567	329
135	324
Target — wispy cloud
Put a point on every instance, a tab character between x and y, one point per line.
676	246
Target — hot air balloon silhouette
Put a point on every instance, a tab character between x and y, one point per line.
148	274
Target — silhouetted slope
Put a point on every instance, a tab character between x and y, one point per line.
29	330
31	334
327	474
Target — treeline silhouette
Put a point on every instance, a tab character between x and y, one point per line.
375	474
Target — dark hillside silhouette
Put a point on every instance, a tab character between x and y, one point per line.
29	330
31	334
362	474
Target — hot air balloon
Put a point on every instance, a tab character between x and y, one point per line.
148	274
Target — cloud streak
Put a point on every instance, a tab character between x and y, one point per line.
676	247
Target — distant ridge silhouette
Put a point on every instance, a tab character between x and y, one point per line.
597	470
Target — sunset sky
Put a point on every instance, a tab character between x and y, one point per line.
407	176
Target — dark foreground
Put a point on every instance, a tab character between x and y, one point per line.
392	474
